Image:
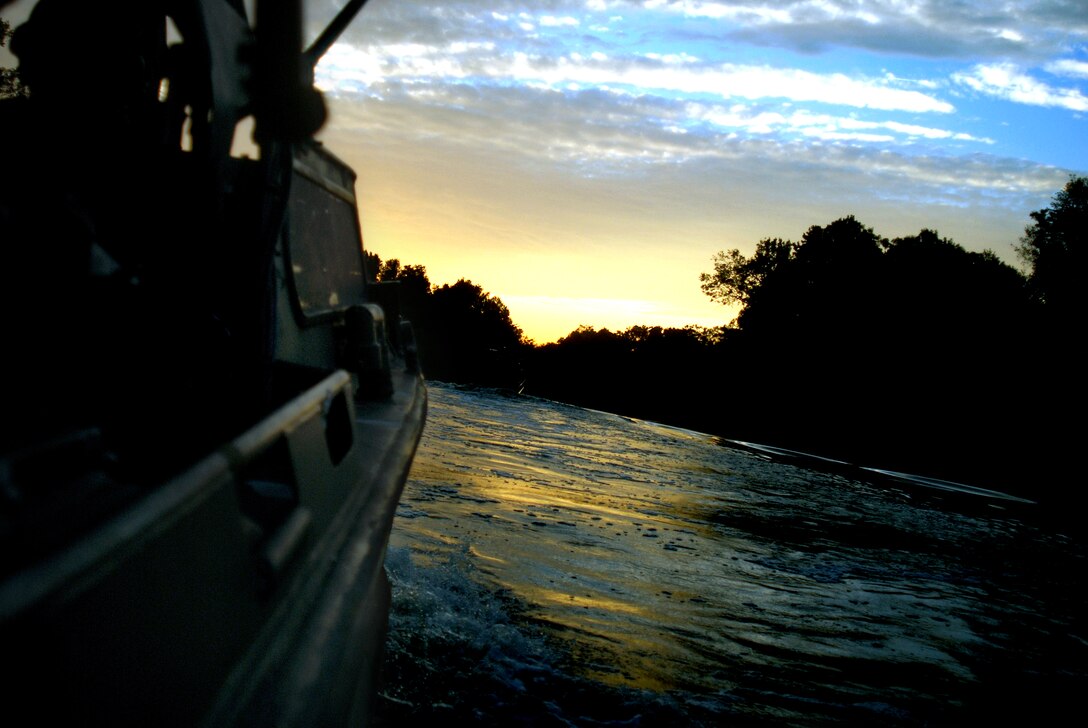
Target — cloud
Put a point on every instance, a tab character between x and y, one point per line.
607	130
1007	81
928	28
551	21
749	13
600	132
757	120
666	73
1021	29
623	111
1068	67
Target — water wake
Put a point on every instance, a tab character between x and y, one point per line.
558	566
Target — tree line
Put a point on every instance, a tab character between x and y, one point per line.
910	353
464	334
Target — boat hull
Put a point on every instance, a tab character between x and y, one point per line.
194	605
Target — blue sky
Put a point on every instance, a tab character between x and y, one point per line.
584	160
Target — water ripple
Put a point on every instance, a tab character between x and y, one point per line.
554	565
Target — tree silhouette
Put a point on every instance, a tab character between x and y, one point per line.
844	280
869	349
372	265
736	277
935	289
638	372
11	84
1055	246
470	337
800	288
413	278
464	334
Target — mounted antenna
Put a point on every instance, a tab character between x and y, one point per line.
328	36
290	107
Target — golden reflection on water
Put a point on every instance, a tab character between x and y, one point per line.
585	601
486	557
666	574
585	551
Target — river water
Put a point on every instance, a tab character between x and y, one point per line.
553	565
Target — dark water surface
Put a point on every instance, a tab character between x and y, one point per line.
558	566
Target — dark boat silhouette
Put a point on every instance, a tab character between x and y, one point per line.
208	424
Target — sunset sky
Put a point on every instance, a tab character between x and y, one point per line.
583	160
